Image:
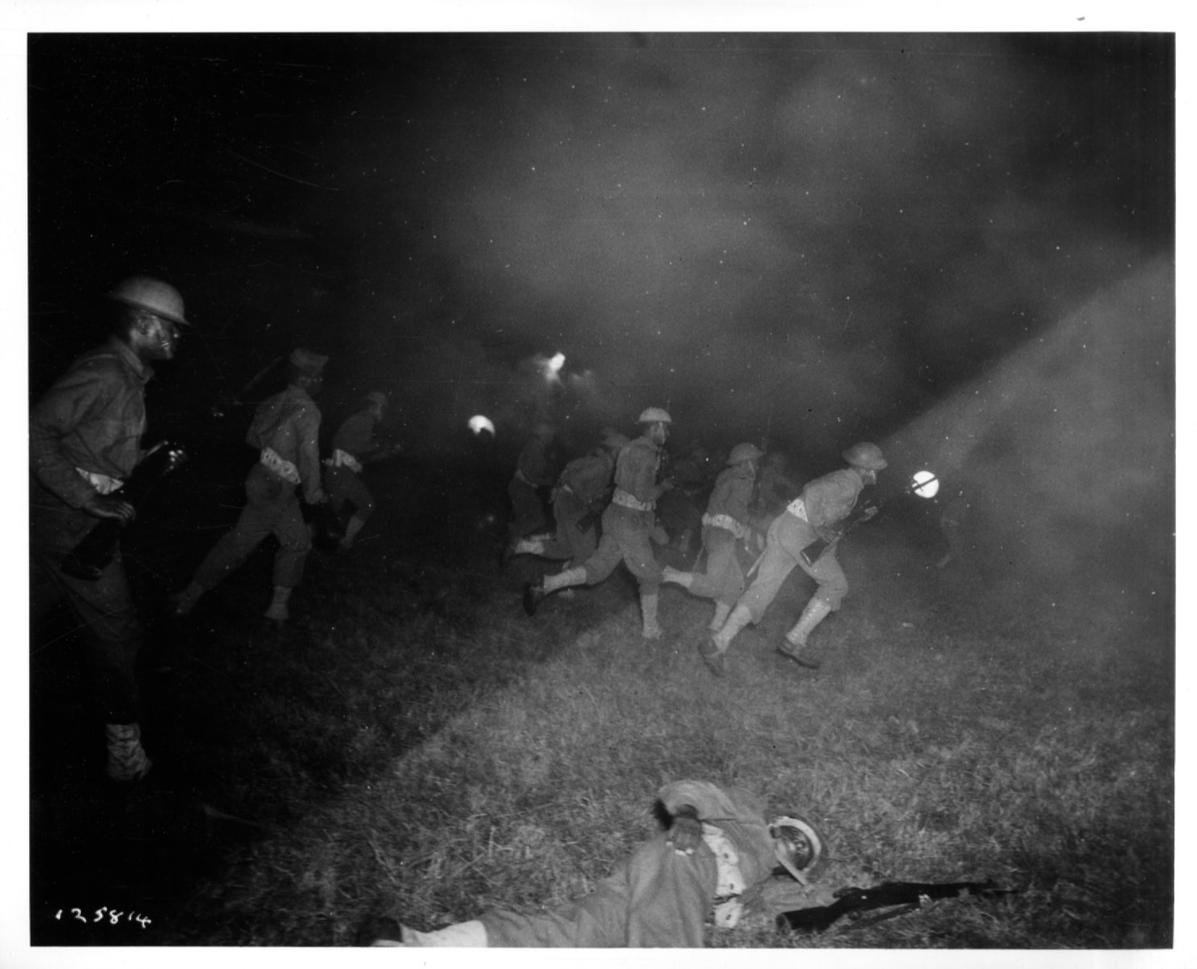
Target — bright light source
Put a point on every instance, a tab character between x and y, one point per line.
550	367
479	424
926	484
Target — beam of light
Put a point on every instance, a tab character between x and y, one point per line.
479	425
925	484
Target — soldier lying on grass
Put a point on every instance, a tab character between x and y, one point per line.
717	851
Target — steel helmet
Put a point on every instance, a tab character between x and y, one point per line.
308	362
655	415
744	452
799	846
614	440
865	455
151	294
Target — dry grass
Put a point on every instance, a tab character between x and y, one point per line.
418	745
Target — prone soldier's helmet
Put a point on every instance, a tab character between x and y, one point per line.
655	415
799	846
744	452
865	455
160	298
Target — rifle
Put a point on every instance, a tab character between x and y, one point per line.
91	556
811	553
902	896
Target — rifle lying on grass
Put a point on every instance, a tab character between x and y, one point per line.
903	897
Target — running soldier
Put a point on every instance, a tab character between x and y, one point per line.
724	527
285	431
628	526
84	441
534	471
354	445
580	495
824	504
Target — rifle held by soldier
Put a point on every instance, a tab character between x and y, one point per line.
91	556
917	486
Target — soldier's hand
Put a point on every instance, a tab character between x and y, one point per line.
869	512
685	834
106	506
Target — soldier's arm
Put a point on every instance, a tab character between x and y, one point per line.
308	437
68	402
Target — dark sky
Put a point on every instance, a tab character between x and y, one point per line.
818	235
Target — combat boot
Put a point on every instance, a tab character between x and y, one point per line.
534	594
714	658
795	646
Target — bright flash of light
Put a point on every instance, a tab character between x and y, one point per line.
926	484
478	424
550	367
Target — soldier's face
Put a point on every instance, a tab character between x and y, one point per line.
161	339
659	433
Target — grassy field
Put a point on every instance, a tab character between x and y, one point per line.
413	743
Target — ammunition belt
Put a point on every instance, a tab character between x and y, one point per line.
727	523
797	508
628	500
280	466
105	484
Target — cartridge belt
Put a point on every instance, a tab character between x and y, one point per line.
105	484
280	466
343	459
626	499
797	508
727	523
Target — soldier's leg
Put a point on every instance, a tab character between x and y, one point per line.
111	631
363	507
294	544
636	546
112	638
832	587
263	491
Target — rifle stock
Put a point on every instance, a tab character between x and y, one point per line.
852	901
